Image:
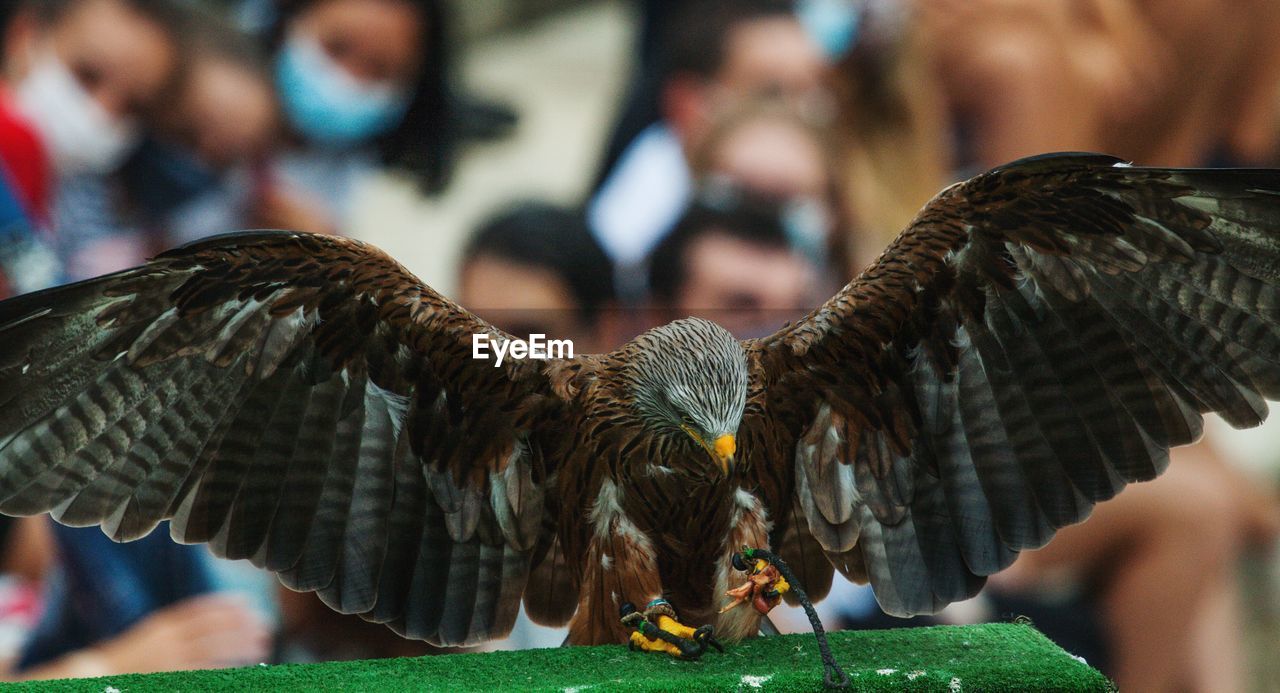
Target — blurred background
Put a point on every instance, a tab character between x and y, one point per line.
588	169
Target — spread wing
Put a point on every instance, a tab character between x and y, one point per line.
1040	336
298	400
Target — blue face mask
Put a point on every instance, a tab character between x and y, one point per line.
326	103
832	23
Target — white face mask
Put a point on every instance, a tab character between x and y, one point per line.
79	135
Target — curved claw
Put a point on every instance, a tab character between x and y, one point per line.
704	636
650	638
689	649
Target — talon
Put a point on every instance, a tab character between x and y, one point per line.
654	639
689	650
638	641
704	636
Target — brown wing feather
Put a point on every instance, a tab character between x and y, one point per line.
299	400
1039	337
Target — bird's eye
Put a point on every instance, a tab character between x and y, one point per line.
689	427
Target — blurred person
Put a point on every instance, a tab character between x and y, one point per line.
177	183
773	150
831	23
81	78
936	87
76	79
731	259
227	114
1213	97
933	91
639	107
893	131
361	85
1023	77
199	632
536	269
25	560
769	148
1171	609
145	606
224	116
80	75
718	53
204	632
192	176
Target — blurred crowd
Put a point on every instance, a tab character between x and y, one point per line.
763	152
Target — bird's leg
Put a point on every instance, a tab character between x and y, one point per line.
621	570
620	567
749	527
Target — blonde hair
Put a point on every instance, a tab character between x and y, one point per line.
892	137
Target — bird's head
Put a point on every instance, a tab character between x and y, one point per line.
689	379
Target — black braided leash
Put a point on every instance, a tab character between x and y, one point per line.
832	675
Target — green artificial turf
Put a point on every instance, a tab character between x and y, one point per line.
992	657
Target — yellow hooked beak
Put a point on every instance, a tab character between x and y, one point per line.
725	446
721	450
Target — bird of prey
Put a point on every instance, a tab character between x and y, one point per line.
1038	337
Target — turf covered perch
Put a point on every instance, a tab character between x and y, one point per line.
993	657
